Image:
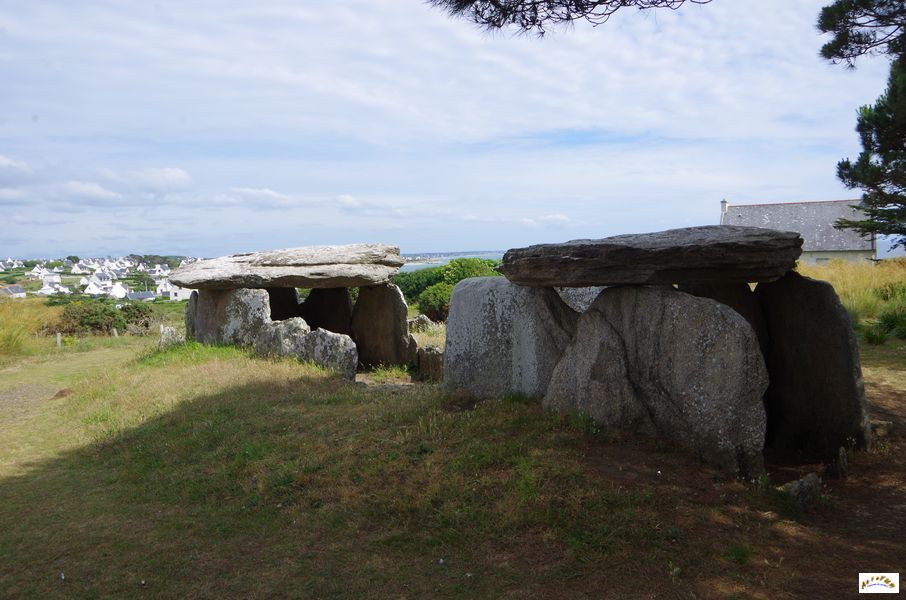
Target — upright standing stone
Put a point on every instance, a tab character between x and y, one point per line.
329	309
816	400
379	326
739	297
227	316
656	360
503	338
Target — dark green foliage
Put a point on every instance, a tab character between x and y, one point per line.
531	15
90	317
893	321
431	288
64	299
880	170
72	258
138	314
463	268
874	334
414	283
434	302
861	27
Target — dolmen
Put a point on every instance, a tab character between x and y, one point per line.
662	334
252	300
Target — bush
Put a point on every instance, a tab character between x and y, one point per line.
463	268
90	317
138	314
893	321
874	334
435	301
414	283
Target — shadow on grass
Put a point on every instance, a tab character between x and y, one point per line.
314	487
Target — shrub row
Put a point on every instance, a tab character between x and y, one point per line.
432	288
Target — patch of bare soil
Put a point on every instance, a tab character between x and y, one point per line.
20	401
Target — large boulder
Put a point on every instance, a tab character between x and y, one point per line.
227	316
816	401
503	338
328	308
307	267
279	338
379	326
659	361
334	351
713	253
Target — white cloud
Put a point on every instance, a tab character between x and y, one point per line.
88	190
13	165
164	179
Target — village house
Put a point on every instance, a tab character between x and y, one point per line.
12	291
814	221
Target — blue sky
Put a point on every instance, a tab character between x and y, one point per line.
207	128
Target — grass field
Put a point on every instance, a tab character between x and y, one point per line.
204	472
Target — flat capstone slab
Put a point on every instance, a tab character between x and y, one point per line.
352	265
711	253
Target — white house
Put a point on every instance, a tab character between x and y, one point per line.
814	221
119	290
93	289
12	291
179	293
51	278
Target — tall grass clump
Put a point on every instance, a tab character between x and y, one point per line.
20	320
866	289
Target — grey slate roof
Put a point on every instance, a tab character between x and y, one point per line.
139	296
814	221
12	289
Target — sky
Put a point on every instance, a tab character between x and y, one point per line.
203	127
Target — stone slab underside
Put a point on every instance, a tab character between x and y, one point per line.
353	265
714	253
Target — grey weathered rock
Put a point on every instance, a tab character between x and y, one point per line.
739	297
656	360
580	298
379	326
280	338
803	493
189	317
503	338
307	267
335	351
329	309
714	253
169	337
430	364
816	400
227	316
420	323
284	303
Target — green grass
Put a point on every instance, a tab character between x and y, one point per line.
206	472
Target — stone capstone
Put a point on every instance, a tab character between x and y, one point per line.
816	401
658	361
307	267
328	308
503	338
379	326
714	253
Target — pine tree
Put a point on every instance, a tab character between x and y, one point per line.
880	170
